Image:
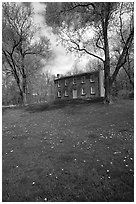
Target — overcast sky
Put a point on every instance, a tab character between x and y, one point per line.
63	61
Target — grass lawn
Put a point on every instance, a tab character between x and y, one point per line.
68	152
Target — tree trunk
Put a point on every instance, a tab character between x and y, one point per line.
107	83
21	97
106	64
23	79
129	77
22	90
24	99
123	56
128	71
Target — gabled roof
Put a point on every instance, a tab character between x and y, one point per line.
76	75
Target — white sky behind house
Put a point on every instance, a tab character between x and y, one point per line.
63	61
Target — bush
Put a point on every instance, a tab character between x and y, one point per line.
131	95
124	94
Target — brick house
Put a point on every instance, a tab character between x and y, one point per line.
84	85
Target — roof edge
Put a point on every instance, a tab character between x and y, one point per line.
74	75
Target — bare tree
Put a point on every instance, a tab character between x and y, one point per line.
122	31
18	42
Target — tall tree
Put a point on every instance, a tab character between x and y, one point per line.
18	42
119	41
80	18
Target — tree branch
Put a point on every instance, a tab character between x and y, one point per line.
122	58
86	51
15	45
129	76
5	54
78	5
97	45
121	25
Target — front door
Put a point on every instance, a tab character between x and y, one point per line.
74	93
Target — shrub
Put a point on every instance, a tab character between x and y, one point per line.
123	94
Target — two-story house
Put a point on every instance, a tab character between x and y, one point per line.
84	85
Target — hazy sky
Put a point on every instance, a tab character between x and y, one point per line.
63	62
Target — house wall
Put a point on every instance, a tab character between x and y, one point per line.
78	86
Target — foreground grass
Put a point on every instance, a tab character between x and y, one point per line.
68	152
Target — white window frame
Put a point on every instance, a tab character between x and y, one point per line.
91	78
59	94
66	93
82	91
83	79
74	80
58	83
66	82
92	91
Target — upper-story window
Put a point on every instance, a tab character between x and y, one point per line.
91	78
83	79
74	80
66	82
58	83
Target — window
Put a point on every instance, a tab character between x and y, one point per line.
83	79
74	80
92	90
91	78
66	82
58	83
59	94
74	93
83	91
66	93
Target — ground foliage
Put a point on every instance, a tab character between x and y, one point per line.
68	152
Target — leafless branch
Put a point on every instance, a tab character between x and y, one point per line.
76	6
97	41
121	25
86	51
123	56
